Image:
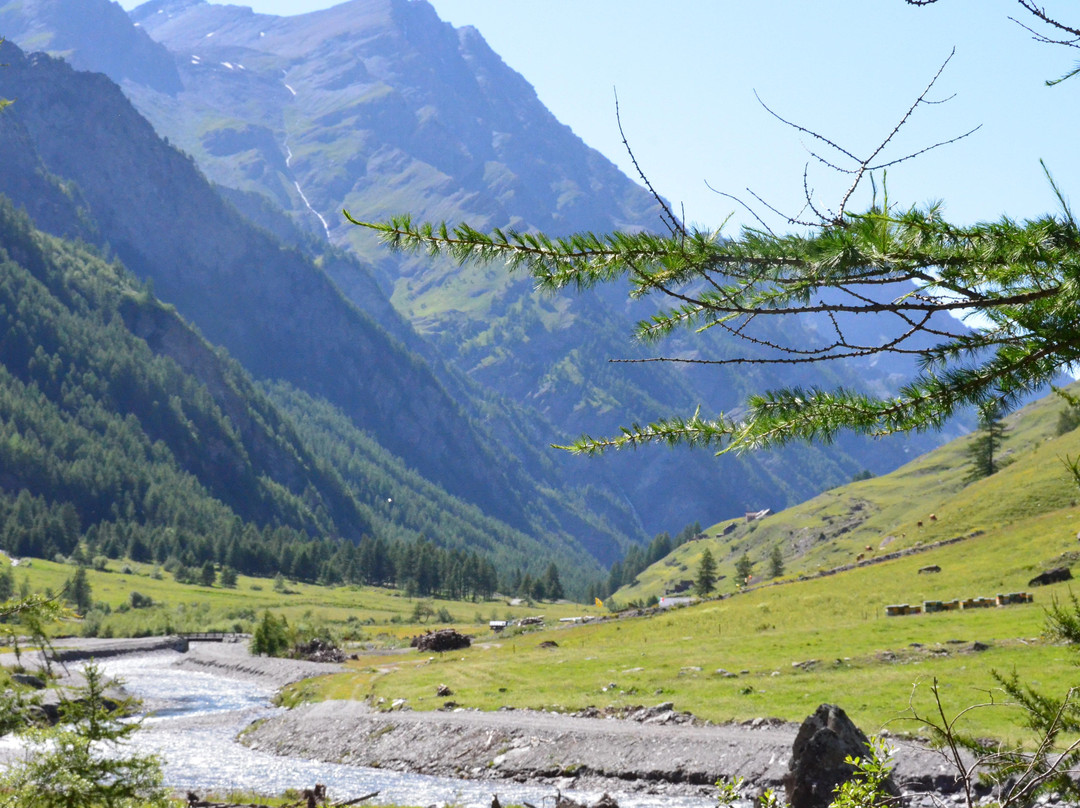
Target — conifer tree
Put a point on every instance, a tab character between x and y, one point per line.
553	587
901	267
985	448
744	569
776	562
705	581
87	761
78	591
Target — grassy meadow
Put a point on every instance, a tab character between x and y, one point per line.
357	615
777	648
785	645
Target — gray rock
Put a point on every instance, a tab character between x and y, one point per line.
29	680
817	764
1053	576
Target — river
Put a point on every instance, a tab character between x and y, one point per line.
195	717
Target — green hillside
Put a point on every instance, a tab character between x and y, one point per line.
781	647
926	501
124	434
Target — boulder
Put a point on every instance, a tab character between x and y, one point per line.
1053	576
29	680
817	764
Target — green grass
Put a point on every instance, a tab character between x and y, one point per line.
1013	525
866	662
791	644
884	513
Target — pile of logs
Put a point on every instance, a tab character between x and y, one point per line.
318	650
445	639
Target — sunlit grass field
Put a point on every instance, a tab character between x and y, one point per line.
776	649
359	615
786	645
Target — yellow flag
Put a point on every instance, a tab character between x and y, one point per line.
599	603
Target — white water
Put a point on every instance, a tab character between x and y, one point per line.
299	190
196	717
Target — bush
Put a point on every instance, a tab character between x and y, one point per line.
272	636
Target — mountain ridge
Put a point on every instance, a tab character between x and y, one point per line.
275	311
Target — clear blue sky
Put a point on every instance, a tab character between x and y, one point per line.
686	75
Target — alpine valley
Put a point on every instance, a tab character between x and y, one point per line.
202	359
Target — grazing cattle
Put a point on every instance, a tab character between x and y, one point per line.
859	557
918	524
869	549
933	517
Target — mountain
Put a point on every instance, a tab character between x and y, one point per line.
122	429
85	164
102	41
380	107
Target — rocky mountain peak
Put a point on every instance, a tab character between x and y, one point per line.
94	35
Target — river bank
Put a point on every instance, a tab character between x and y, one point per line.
657	754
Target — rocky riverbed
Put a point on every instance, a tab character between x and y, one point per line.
652	750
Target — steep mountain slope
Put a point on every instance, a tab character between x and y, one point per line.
101	41
122	428
930	500
379	107
114	405
84	163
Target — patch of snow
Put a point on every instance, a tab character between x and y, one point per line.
228	65
290	89
210	35
196	60
261	33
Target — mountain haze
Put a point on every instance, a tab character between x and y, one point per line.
274	309
380	107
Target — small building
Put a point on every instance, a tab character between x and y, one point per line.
497	625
